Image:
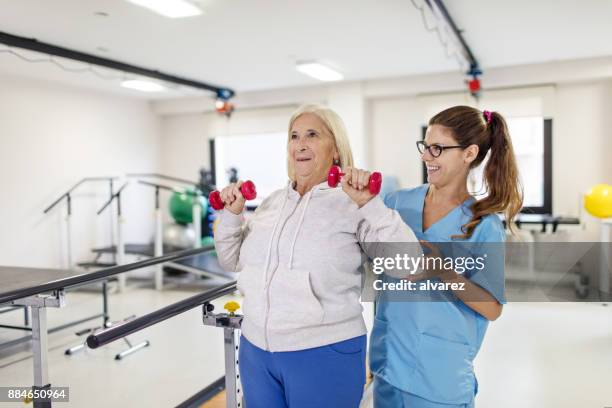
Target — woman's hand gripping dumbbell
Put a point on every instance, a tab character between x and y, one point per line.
360	185
233	197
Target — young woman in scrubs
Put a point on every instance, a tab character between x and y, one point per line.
422	351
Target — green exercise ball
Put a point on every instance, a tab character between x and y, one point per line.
181	207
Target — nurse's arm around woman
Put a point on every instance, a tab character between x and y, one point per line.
300	259
473	295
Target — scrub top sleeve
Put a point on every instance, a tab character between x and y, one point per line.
491	248
390	200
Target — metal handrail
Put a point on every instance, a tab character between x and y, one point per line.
170	188
67	193
164	177
109	335
101	274
110	200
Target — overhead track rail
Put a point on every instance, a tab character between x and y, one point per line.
55	50
439	10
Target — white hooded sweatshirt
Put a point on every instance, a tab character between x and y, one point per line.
301	260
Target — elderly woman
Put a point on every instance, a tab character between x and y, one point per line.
300	260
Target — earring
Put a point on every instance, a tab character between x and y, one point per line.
336	162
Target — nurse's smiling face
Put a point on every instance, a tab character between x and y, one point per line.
451	163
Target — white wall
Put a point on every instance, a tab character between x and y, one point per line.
51	136
348	101
394	127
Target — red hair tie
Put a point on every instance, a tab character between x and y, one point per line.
488	115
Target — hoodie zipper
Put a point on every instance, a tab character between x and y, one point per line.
269	281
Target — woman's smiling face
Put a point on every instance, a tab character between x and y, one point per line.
311	148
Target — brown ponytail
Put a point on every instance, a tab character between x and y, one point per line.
501	180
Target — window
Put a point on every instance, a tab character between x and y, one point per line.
261	158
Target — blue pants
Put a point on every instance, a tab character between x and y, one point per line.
327	376
387	396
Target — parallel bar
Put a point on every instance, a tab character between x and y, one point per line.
156	185
66	194
132	326
112	197
46	48
8	326
167	187
101	274
163	177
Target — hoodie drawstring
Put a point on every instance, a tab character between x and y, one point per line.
269	254
299	226
297	231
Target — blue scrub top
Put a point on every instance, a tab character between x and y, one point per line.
427	348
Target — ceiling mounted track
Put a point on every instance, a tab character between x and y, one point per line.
54	50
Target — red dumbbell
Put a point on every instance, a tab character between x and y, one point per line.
374	184
247	189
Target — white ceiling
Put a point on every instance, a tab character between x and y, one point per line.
254	44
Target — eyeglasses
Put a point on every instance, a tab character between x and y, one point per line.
435	149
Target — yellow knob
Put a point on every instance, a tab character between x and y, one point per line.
231	306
